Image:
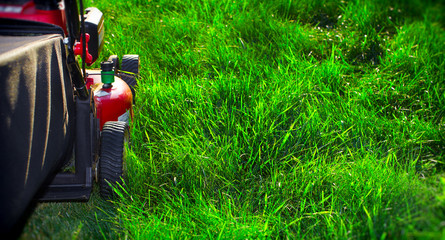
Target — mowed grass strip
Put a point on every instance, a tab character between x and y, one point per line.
282	119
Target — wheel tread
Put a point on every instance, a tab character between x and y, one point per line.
130	64
111	159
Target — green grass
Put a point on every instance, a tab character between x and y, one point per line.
277	119
73	220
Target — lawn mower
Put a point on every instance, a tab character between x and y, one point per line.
62	127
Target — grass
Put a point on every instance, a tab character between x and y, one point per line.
276	119
73	220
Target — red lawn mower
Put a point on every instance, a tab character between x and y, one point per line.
61	126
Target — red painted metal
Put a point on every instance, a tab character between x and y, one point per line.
93	77
78	49
112	104
28	11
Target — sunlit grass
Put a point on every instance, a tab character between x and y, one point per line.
275	119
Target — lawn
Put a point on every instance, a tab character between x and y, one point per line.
275	119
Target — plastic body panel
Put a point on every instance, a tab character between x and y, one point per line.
94	26
112	104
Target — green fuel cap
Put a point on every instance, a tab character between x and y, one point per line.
107	73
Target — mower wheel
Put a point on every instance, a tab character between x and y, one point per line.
115	60
130	63
130	71
115	135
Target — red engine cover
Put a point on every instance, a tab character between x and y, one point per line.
28	11
112	104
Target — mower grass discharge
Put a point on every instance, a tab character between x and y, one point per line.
275	119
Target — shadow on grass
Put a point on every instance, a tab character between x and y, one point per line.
72	220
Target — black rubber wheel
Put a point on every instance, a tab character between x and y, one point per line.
130	71
115	135
130	63
115	60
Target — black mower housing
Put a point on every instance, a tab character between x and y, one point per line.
94	26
